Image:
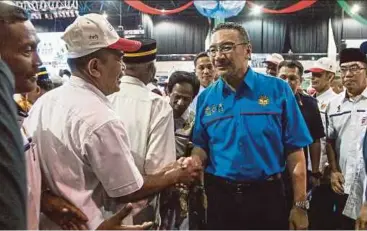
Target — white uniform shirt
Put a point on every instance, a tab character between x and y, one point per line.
83	146
323	101
347	121
195	100
149	123
148	119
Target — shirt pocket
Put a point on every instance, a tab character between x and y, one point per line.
220	128
260	121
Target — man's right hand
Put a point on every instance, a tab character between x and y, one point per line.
114	223
337	181
187	170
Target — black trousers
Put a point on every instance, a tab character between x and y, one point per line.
321	214
259	205
343	222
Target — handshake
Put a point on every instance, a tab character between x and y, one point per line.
185	170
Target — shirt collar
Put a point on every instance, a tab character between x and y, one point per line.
79	82
327	92
248	81
133	80
363	94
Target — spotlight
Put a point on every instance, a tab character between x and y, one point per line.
355	8
256	10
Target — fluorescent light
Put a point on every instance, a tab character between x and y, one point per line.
355	8
9	2
256	10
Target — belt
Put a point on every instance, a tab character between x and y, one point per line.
239	185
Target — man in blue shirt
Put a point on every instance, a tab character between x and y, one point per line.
246	127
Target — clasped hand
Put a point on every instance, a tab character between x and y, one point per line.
189	169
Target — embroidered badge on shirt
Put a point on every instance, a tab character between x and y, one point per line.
323	106
214	109
263	100
220	108
208	111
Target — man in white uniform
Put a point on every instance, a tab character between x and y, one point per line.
321	211
149	123
346	129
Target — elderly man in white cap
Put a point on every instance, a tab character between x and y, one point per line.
272	61
84	148
322	203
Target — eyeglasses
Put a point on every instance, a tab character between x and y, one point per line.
224	48
354	69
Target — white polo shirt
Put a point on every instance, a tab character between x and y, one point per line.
346	124
149	123
83	147
323	100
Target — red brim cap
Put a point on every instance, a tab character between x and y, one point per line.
126	45
314	70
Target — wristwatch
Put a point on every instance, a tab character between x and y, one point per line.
305	205
317	175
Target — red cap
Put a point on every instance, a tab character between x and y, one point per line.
126	45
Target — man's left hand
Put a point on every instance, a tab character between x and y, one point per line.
64	214
298	219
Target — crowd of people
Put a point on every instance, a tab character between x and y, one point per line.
223	147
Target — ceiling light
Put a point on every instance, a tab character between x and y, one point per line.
355	8
256	10
9	2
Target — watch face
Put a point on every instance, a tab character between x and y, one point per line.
303	204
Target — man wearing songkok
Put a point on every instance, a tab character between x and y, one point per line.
346	128
148	120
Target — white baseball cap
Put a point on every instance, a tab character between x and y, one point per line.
91	32
274	58
323	64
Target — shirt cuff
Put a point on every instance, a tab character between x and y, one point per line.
126	189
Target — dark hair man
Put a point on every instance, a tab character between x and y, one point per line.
18	48
182	89
247	126
292	71
205	72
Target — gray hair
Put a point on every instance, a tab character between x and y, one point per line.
233	26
